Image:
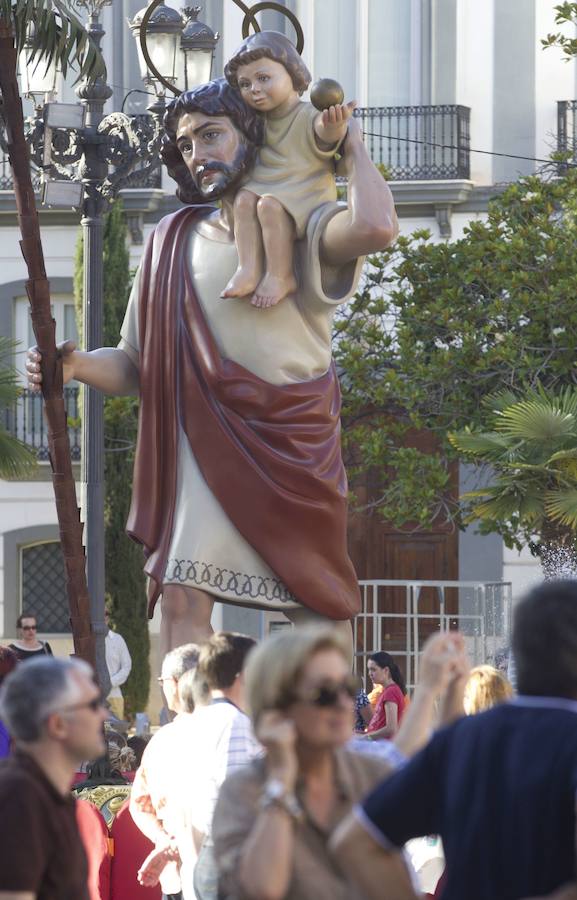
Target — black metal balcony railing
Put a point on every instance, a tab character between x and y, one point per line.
25	420
567	128
414	143
419	143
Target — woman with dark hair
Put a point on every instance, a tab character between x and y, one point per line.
28	646
391	704
8	662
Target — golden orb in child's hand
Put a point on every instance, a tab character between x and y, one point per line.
326	92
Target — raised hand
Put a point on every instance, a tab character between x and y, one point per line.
278	736
331	124
443	661
339	114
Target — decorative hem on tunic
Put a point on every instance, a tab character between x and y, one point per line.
239	586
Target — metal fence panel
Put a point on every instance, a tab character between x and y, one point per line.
25	420
484	618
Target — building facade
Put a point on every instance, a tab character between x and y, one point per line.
457	98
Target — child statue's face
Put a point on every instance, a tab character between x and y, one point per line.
266	85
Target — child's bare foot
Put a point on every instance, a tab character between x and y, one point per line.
272	289
242	283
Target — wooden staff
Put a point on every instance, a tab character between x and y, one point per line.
38	290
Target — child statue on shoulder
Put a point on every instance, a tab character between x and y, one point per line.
294	171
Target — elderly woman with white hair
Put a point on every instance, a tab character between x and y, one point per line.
274	818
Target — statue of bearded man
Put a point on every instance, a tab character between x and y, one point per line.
239	490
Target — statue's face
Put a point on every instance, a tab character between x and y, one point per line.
265	85
214	151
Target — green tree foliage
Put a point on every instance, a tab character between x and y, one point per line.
565	14
531	448
437	327
125	582
16	459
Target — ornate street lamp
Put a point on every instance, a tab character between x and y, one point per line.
85	159
197	42
37	76
157	31
197	46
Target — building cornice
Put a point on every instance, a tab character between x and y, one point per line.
413	199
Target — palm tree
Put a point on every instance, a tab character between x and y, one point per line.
16	459
531	450
55	36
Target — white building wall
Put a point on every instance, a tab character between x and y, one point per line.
378	50
58	243
521	569
22	505
475	77
389	52
555	80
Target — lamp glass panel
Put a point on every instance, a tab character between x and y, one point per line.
37	76
194	68
163	49
141	60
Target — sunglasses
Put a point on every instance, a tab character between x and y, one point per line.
327	695
28	627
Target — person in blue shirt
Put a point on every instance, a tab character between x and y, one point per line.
500	787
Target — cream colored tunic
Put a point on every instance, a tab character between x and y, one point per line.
291	167
287	343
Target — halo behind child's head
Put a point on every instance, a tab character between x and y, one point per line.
269	45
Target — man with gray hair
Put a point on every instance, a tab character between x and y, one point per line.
149	798
55	714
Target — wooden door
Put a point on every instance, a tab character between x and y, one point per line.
380	551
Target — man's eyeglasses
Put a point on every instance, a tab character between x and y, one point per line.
93	705
28	627
326	695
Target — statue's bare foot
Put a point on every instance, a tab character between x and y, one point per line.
242	283
272	289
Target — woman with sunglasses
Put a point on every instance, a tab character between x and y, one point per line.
28	646
274	818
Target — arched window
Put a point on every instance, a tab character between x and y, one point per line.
43	586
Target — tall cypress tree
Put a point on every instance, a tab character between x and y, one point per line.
125	582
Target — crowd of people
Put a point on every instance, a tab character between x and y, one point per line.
275	780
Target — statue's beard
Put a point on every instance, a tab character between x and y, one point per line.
227	176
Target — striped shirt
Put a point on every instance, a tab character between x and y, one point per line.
224	743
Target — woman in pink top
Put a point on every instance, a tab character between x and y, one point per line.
391	703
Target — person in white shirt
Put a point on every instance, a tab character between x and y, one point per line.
214	741
227	743
151	798
119	664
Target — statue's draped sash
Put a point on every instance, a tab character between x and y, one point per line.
270	454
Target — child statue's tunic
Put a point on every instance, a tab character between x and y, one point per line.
291	168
